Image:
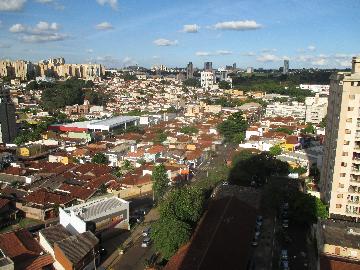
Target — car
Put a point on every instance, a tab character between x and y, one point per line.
146	231
103	252
285	223
259	220
284	255
286	206
285	265
146	242
255	241
257	233
225	183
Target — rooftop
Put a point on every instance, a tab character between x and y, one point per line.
97	208
54	234
341	233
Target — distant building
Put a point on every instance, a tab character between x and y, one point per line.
7	117
208	66
207	79
316	108
340	175
189	70
286	67
234	66
294	109
250	70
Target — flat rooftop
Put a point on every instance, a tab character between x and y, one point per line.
341	233
114	121
98	208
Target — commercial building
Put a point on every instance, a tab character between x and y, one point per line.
340	176
316	109
208	66
95	215
7	117
189	70
286	67
207	79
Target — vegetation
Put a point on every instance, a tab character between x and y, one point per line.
136	113
232	127
160	137
309	129
224	85
190	130
256	169
285	130
323	122
128	77
100	158
299	170
160	182
192	82
275	150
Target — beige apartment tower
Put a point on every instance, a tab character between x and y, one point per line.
340	175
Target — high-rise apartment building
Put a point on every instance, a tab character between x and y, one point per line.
7	117
189	70
286	67
207	79
316	109
340	175
208	66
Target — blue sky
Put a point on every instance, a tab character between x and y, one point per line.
262	33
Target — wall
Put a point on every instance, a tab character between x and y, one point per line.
61	259
132	191
31	212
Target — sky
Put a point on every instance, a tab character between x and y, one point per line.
117	33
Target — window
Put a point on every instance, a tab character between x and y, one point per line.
343	164
340	196
341	185
342	174
338	206
350	109
345	154
349	120
351	96
346	142
347	131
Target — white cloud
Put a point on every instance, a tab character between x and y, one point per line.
45	1
311	48
165	42
249	54
17	28
12	5
191	28
223	52
89	50
112	3
237	25
42	32
319	61
267	57
104	26
44	38
128	61
53	3
203	53
268	50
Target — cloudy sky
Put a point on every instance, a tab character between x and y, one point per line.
262	33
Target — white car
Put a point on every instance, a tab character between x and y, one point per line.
146	242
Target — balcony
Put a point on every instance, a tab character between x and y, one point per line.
355	170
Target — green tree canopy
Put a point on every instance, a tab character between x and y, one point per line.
275	150
309	129
285	130
192	82
100	158
169	234
224	85
233	126
160	182
190	130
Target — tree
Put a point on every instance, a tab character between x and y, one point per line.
233	126
169	234
160	137
190	130
275	150
160	182
323	122
185	204
193	82
285	130
100	158
224	85
321	209
309	129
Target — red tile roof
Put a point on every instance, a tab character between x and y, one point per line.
78	192
3	202
44	197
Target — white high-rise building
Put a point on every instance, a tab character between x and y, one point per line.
340	175
207	79
316	108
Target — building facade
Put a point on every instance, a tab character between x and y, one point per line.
286	67
316	109
294	109
340	176
207	79
7	117
189	71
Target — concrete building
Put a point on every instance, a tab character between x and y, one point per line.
286	67
95	215
189	70
7	117
316	109
340	176
207	79
208	66
249	70
294	109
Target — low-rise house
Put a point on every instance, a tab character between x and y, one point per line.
21	252
7	212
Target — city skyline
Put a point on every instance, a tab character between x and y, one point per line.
119	33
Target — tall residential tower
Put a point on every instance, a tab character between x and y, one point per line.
7	117
340	175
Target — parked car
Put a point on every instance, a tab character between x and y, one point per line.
146	242
285	223
284	265
255	241
284	254
259	220
146	231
